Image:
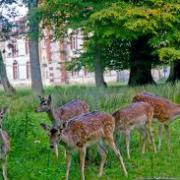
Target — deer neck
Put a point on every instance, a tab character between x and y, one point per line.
5	146
51	114
176	112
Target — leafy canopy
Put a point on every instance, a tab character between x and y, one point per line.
128	21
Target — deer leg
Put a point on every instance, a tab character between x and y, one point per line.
82	161
110	142
166	126
160	136
127	139
65	153
143	136
4	169
116	137
103	153
151	137
68	163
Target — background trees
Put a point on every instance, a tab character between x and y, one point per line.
5	29
150	26
59	15
118	34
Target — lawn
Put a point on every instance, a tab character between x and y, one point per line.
31	159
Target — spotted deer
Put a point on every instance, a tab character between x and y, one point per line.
81	132
165	112
4	145
63	113
135	116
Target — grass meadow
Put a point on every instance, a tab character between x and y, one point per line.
31	158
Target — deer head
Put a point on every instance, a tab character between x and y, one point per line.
45	104
54	134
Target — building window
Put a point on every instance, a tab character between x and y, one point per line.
26	46
28	70
73	41
14	48
15	70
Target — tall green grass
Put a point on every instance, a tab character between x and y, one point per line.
31	158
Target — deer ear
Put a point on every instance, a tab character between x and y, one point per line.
40	98
62	111
65	124
49	98
45	126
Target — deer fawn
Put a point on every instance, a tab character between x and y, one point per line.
82	131
4	145
135	116
63	113
164	111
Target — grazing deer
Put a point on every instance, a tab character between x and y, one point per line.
164	111
135	116
82	131
63	113
4	145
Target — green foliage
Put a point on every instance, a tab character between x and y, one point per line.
128	21
115	56
115	21
169	54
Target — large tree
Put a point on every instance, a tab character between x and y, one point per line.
150	26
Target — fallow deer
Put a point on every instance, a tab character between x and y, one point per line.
165	111
63	113
135	116
4	145
82	131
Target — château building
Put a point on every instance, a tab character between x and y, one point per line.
53	55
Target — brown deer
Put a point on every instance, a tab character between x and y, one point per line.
4	145
165	112
136	116
63	113
82	131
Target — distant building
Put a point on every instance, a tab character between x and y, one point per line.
53	55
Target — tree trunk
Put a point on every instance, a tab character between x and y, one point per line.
36	79
9	90
140	62
174	72
140	74
118	79
99	70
